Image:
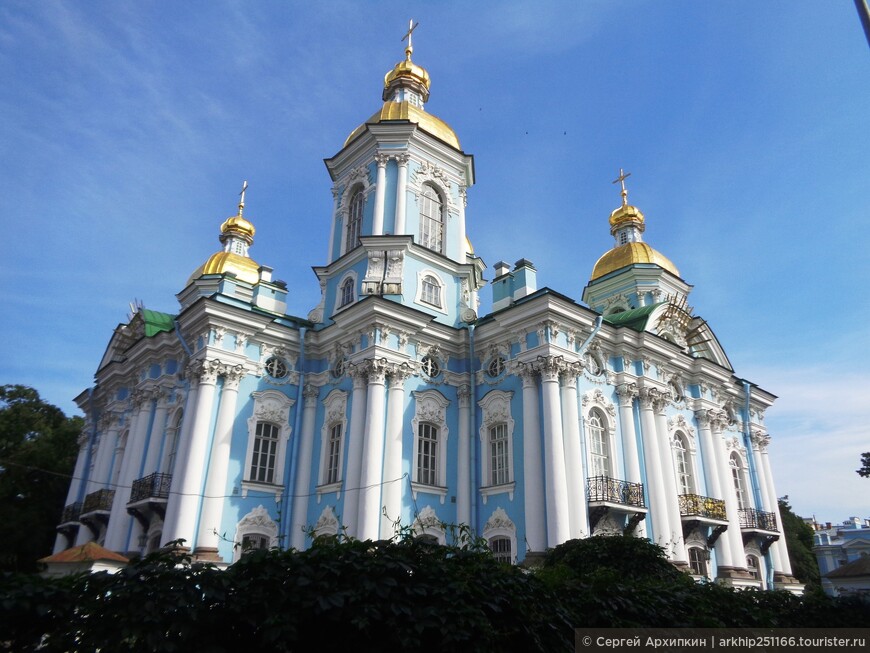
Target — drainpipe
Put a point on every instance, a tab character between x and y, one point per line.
293	462
596	327
92	438
475	441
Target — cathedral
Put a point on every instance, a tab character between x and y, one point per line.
233	424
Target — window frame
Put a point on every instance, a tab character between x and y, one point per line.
684	470
349	277
257	522
335	416
738	481
422	275
270	406
430	408
499	526
495	408
432	228
699	561
354	219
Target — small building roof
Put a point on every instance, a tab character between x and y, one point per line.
856	568
88	552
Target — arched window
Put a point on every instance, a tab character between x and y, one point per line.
346	292
333	455
431	219
499	458
431	291
698	561
265	452
739	481
752	567
599	445
427	454
683	465
171	448
354	220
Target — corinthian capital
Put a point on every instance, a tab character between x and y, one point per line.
626	393
381	159
549	367
232	376
760	439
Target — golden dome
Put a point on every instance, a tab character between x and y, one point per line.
238	226
408	71
630	254
245	269
626	214
406	111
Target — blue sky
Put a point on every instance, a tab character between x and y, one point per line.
128	127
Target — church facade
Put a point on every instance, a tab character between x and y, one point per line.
233	423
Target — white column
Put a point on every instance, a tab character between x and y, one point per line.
394	483
158	430
760	441
84	533
460	225
732	508
110	426
173	503
578	512
463	462
119	520
336	199
354	450
534	503
372	472
303	474
189	470
401	193
657	497
207	539
724	556
627	393
380	190
670	483
558	528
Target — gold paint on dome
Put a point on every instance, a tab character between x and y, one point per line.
238	226
626	214
630	254
395	111
244	268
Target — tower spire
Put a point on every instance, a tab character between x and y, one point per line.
410	48
242	196
621	180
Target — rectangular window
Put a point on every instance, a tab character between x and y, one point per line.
427	454
498	447
265	450
333	455
501	549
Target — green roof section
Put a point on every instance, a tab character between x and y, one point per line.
156	322
634	319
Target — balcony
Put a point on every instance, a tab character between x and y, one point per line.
96	509
148	496
700	512
69	519
760	525
605	495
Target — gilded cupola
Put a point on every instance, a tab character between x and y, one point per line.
627	225
236	236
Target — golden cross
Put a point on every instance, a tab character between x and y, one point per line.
621	180
411	28
242	195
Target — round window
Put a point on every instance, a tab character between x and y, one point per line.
276	368
430	366
495	367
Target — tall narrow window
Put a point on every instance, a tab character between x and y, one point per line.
739	481
346	292
354	221
431	292
599	445
752	567
431	219
265	450
685	482
498	454
698	561
171	447
427	454
333	460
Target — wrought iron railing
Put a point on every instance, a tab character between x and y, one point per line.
154	486
71	512
614	490
752	518
696	505
99	500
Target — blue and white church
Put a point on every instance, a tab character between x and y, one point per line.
233	423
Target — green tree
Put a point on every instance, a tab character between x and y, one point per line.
865	465
799	542
37	455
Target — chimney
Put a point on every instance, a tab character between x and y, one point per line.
525	279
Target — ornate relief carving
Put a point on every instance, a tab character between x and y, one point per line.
626	393
596	398
259	520
381	159
327	523
760	439
499	520
219	333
